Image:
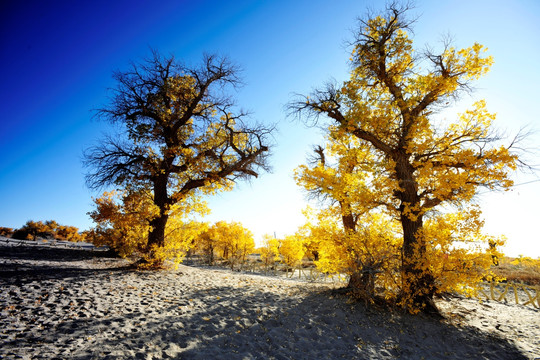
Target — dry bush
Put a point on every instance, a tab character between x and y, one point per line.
5	231
521	270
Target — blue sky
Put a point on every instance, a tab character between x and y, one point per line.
57	59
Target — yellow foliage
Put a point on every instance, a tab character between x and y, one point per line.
525	261
458	253
206	243
121	226
270	250
229	241
394	183
292	250
370	253
122	223
31	230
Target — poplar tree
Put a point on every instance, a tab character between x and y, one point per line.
179	133
394	157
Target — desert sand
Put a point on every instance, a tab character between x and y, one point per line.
81	304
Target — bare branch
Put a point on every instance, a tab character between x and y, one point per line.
113	161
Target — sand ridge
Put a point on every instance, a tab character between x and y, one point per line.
84	305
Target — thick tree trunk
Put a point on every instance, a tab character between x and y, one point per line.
417	279
348	222
362	284
418	282
156	236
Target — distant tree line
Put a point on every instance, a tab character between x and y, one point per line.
231	243
122	225
49	229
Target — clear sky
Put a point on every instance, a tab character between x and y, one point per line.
57	58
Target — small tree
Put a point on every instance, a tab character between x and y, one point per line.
69	233
50	229
180	134
292	250
206	244
31	230
180	235
234	242
123	221
269	251
5	231
408	165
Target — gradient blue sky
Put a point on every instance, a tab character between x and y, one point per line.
57	59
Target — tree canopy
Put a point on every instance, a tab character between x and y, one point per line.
180	134
388	159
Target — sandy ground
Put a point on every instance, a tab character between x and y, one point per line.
79	304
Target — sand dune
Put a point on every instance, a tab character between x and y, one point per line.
78	304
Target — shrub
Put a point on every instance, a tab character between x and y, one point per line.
5	231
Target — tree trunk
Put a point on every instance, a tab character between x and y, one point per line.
348	222
418	282
211	255
362	284
156	236
362	280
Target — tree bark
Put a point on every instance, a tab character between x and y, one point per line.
211	255
418	282
362	280
156	236
362	284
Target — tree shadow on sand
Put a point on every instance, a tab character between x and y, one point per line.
158	315
325	326
229	323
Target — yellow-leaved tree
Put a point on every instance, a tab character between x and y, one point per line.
206	244
291	250
123	222
269	250
49	229
180	134
388	156
234	242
